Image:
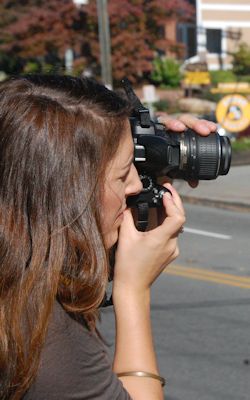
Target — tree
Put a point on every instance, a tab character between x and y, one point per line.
137	33
41	31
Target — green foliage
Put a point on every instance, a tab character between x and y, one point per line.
241	144
10	64
221	76
244	78
207	95
161	105
241	60
166	72
49	69
35	66
32	67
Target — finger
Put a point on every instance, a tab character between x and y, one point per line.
175	196
210	124
193	184
174	219
171	123
162	212
127	225
200	126
164	179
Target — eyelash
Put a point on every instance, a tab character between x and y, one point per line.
123	177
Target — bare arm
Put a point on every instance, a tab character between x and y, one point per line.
141	257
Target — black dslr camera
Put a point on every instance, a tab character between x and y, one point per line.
160	152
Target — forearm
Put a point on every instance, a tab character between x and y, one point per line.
134	344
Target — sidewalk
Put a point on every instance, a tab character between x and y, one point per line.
231	191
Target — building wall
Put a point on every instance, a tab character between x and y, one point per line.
229	16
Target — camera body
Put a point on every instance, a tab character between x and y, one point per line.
160	152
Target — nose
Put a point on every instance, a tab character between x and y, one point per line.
134	185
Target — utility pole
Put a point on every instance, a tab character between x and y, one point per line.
104	41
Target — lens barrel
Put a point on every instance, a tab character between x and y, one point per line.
204	157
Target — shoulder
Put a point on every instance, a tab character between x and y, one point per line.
74	364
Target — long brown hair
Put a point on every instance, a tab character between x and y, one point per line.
56	137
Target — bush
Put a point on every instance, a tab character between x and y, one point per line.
32	67
207	95
241	144
10	63
166	72
241	60
161	105
244	78
222	76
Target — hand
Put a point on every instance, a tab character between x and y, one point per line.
201	126
141	256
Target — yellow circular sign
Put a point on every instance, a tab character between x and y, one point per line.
233	112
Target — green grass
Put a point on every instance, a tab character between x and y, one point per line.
241	144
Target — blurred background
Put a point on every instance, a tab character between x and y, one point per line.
174	51
181	56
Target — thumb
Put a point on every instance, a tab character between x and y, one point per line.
127	225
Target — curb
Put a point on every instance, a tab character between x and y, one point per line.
233	206
240	158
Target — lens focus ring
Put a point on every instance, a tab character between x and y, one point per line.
208	155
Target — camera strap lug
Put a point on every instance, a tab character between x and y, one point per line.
142	221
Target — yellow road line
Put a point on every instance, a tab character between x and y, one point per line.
207	272
207	275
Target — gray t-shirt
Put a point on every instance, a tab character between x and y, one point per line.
74	364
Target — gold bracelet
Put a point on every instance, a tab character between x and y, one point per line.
143	374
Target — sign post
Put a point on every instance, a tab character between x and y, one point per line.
104	40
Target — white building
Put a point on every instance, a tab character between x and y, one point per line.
221	26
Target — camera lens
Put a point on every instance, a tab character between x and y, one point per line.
204	157
226	154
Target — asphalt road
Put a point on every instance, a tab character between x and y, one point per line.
200	310
216	239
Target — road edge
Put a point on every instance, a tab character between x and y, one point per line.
233	206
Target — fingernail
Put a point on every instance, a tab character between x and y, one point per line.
179	125
203	129
168	195
212	126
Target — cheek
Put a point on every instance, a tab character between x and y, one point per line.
111	220
112	203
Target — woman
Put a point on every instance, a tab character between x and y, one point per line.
66	169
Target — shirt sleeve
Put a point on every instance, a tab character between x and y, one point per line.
74	365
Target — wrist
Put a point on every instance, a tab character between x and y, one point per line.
130	295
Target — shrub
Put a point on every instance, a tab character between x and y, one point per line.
32	67
221	76
207	95
244	78
161	105
10	63
241	60
241	144
166	72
